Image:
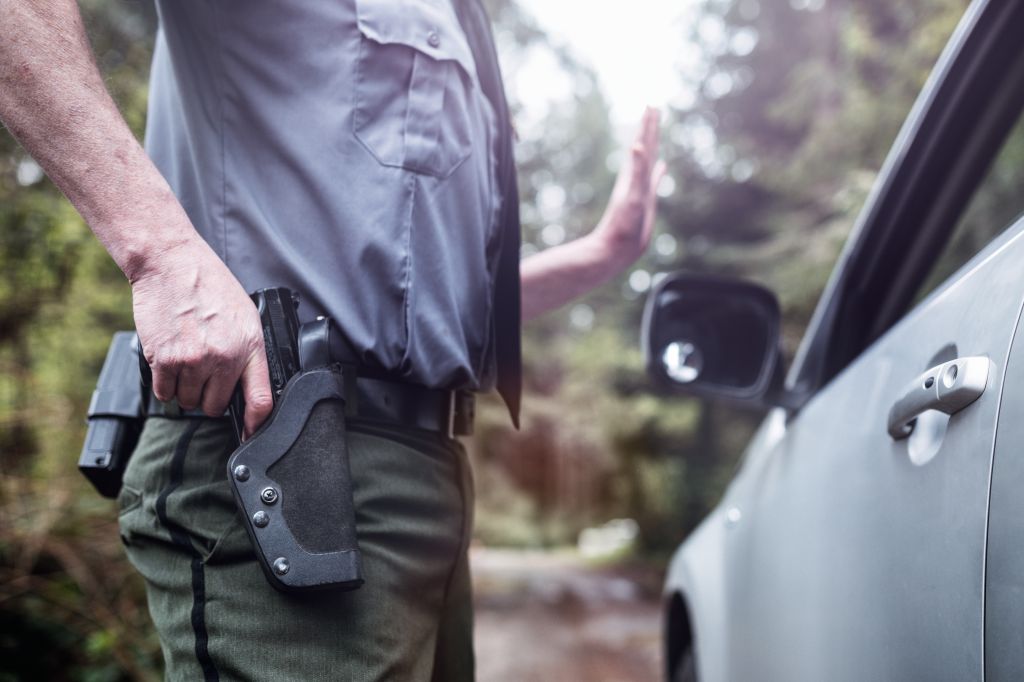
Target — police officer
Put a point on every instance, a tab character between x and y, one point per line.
356	152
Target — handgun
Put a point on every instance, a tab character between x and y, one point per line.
291	479
279	320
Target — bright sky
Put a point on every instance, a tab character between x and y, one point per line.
637	49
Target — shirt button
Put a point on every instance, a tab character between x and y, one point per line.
433	39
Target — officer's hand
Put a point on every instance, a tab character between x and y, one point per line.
628	219
201	333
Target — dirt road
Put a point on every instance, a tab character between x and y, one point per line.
551	617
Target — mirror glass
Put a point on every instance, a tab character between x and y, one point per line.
712	335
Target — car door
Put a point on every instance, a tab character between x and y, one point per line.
852	551
858	556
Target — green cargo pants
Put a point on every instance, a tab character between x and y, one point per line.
219	619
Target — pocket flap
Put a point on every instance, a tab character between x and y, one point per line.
428	26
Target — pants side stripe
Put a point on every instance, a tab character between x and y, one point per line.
180	538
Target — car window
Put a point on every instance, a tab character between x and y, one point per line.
995	205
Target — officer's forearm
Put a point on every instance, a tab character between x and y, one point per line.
53	100
555	276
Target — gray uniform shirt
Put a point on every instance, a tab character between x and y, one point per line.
343	149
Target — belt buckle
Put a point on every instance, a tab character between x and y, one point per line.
451	415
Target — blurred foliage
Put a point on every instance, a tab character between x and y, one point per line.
71	608
773	144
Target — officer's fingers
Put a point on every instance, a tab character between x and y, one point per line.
644	149
639	168
644	152
255	381
165	381
190	386
217	393
650	130
657	174
651	210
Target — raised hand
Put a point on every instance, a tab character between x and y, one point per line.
557	275
628	219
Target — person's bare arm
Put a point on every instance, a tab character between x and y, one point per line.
200	331
557	275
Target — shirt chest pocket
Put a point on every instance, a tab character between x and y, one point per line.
414	79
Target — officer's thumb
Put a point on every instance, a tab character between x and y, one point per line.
259	402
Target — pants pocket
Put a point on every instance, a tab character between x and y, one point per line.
176	493
128	499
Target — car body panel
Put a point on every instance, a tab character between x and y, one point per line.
697	570
838	553
1004	570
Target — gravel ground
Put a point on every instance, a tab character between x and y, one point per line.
543	616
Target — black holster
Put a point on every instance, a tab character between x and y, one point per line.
292	482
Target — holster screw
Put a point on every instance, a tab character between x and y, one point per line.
269	496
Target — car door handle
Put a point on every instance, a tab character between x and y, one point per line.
949	388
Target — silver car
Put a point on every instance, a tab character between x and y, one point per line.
875	527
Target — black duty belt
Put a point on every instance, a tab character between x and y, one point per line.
384	402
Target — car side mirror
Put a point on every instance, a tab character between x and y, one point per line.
713	337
